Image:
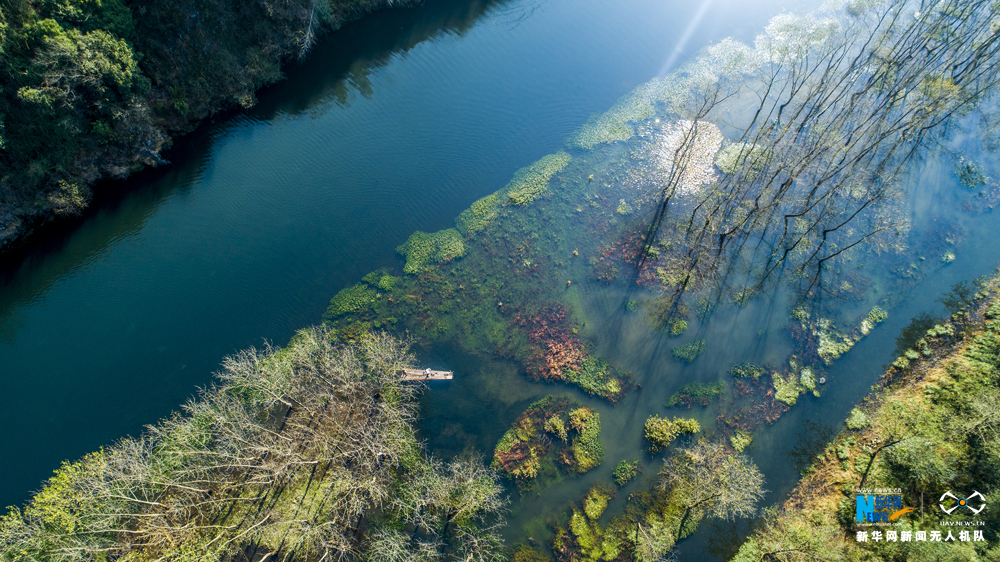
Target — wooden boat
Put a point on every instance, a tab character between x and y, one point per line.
426	375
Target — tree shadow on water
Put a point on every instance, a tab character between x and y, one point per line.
813	437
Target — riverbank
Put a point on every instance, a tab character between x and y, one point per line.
927	430
100	90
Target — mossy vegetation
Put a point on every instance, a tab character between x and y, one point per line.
969	174
740	440
735	156
596	377
481	213
351	300
696	393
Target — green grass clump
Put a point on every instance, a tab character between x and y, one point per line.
596	501
595	377
691	351
422	249
678	327
587	447
877	315
480	213
697	392
786	389
530	182
857	419
746	371
740	440
625	471
350	300
380	280
660	432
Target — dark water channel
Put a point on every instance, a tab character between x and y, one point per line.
394	124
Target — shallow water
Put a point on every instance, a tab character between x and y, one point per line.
395	124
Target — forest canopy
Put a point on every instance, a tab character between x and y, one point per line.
94	88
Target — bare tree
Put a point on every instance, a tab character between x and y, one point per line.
706	479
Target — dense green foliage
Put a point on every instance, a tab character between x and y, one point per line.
290	453
93	88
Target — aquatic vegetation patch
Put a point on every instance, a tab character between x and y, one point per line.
530	182
613	125
421	249
528	445
596	501
678	327
703	480
969	174
857	419
690	147
747	371
740	440
661	432
598	377
560	355
351	300
691	351
584	539
587	449
786	388
481	213
831	344
696	393
557	349
380	280
735	156
625	471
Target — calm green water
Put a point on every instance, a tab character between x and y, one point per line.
395	124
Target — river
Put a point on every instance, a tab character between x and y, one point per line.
395	123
